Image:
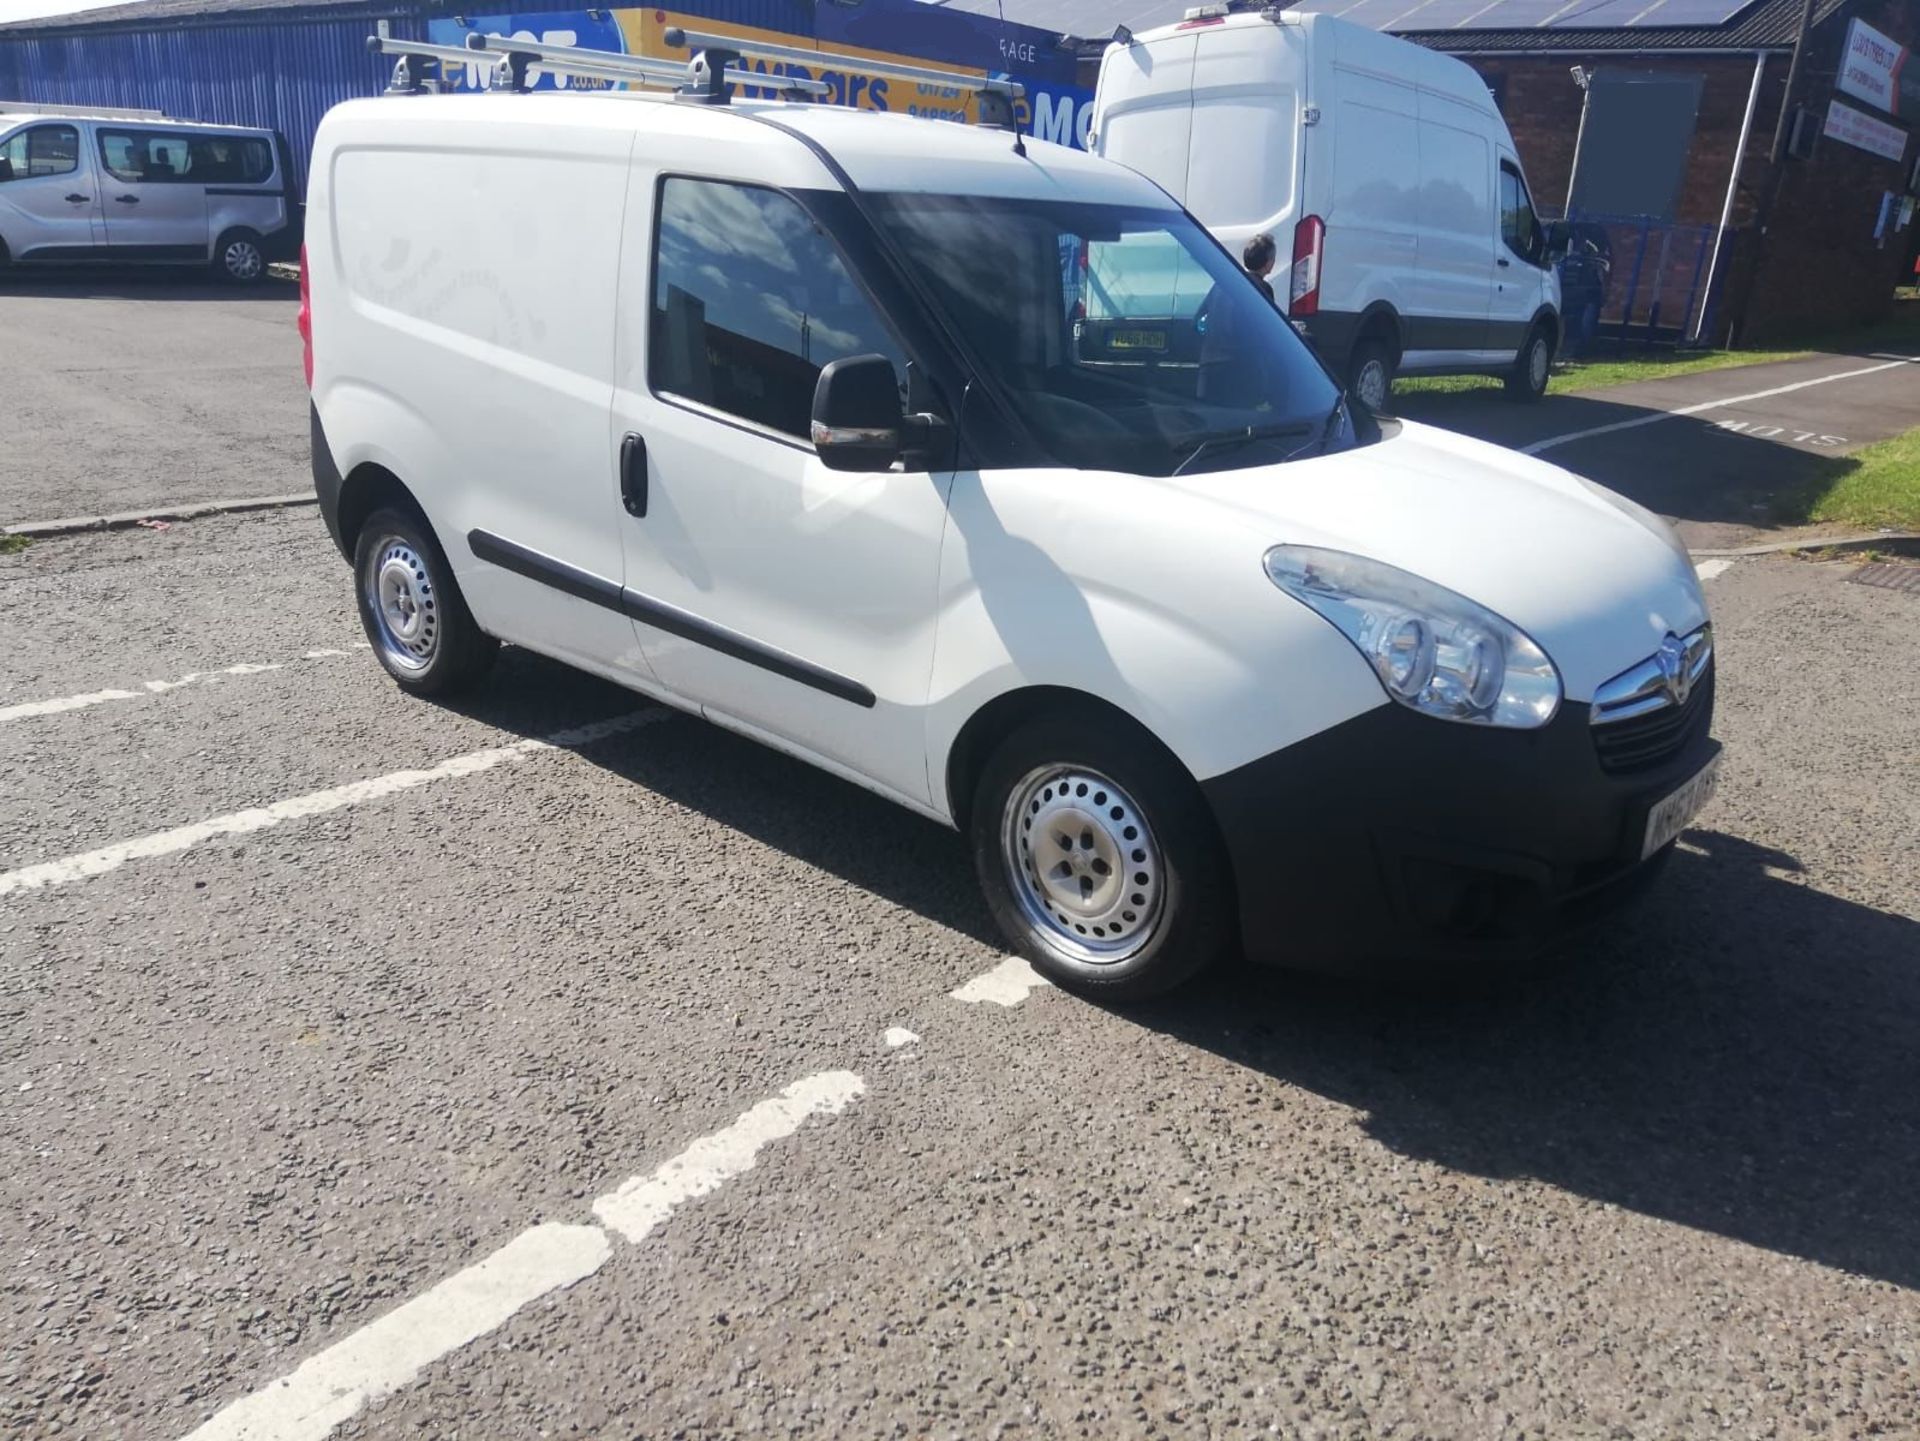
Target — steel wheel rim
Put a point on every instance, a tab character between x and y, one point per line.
1372	387
400	596
1083	864
1537	364
242	259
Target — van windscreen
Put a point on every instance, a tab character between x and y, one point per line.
1124	337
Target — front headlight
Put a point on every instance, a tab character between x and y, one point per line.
1435	652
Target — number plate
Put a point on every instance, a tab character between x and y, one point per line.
1138	340
1672	815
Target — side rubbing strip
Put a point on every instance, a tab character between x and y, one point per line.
661	616
545	569
674	621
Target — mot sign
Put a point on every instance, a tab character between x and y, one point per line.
1856	127
1875	69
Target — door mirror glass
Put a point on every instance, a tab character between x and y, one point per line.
6	169
1558	237
857	415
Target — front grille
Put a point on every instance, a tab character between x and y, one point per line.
1649	740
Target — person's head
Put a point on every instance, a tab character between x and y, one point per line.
1258	256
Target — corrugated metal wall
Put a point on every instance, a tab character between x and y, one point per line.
284	75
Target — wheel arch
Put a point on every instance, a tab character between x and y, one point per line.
1549	318
1005	713
1380	321
368	487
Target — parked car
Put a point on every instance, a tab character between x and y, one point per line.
78	188
1385	167
914	455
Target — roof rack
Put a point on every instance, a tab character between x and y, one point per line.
423	67
709	72
102	112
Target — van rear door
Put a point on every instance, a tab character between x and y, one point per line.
1243	170
1144	109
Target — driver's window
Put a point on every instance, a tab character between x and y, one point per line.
1518	226
43	150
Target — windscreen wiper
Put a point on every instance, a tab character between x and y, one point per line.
1235	438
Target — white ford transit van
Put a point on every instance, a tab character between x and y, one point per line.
1380	167
913	454
78	188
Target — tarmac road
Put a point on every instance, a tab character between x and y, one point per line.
380	994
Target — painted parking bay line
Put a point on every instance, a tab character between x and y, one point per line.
84	699
314	803
1554	441
392	1350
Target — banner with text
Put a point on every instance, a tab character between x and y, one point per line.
1857	128
1874	68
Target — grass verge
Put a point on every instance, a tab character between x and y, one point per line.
11	544
1877	486
1899	332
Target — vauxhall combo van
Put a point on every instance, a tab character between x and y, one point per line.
1382	168
870	438
80	188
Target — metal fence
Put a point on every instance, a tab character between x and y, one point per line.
1636	281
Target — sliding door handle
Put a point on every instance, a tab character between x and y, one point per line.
633	475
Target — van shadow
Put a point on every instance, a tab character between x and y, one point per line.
113	282
1736	1053
1687	468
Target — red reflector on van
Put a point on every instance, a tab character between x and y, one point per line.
1303	280
305	322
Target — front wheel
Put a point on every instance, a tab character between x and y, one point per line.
1527	381
1099	858
412	610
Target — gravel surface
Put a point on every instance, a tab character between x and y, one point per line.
255	1094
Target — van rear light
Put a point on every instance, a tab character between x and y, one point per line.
305	322
1303	280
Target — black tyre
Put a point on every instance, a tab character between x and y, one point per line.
1527	381
1099	858
239	258
1370	375
412	609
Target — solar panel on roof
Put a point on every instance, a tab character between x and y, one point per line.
1687	12
1438	14
1374	14
1514	14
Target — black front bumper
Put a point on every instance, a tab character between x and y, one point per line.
1394	839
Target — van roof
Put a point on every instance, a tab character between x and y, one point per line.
11	119
1358	46
878	151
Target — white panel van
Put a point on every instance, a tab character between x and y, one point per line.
1381	168
84	188
982	477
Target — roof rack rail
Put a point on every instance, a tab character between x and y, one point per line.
424	67
611	65
103	112
710	71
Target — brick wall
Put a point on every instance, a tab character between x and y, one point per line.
1819	268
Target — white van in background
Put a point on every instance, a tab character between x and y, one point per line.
85	187
1382	168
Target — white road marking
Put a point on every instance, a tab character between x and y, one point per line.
898	1036
154	687
393	1350
1708	569
380	1358
645	1201
1553	441
314	803
1007	984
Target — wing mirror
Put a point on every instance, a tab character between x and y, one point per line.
6	169
858	420
1559	238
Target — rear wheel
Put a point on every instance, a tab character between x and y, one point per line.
239	259
1099	858
1527	380
1370	374
412	610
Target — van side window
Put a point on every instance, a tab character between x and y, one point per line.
43	150
1518	227
228	160
750	301
136	156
